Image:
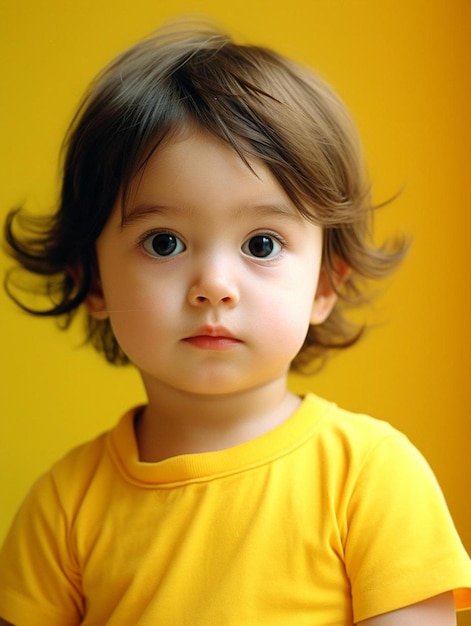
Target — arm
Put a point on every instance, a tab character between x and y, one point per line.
436	611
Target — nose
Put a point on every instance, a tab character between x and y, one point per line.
214	284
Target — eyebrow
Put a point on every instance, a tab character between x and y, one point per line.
140	212
278	209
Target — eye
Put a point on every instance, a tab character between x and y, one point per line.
262	246
163	244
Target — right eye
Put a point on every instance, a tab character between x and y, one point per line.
163	245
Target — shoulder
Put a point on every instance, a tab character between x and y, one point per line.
347	424
399	541
356	440
372	470
69	478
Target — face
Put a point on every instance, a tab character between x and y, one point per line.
212	280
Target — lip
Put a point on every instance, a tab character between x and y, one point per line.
215	338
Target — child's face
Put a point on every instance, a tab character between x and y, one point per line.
212	281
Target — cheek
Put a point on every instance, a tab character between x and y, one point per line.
139	310
285	321
138	332
128	286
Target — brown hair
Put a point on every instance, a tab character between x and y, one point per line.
264	106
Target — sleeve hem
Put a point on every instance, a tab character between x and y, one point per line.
386	600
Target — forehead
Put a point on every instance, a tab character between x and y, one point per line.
194	170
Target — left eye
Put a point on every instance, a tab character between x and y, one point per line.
262	246
163	245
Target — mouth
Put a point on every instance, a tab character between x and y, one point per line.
215	338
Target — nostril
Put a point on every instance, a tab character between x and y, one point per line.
212	294
204	299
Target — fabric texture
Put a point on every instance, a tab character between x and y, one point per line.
328	519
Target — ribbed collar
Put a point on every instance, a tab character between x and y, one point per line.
203	467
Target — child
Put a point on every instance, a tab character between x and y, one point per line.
214	223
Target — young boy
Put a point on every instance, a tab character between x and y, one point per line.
214	221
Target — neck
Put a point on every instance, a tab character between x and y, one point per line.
176	423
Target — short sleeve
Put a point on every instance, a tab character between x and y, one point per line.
402	546
39	583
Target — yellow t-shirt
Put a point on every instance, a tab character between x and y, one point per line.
328	519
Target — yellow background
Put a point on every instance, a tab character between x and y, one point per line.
403	68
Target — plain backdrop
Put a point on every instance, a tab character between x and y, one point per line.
403	68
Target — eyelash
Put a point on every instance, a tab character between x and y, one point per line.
270	235
274	237
148	237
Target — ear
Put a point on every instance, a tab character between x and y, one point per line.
96	305
95	301
327	291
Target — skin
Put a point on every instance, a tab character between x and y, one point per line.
436	611
227	321
186	273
